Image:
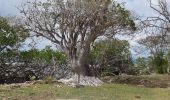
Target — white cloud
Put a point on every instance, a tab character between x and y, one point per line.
141	7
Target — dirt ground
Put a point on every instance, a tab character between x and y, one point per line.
151	81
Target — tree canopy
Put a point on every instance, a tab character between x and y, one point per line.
74	25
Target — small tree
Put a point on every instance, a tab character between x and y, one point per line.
11	36
157	47
142	64
158	27
8	37
111	57
162	20
75	24
160	63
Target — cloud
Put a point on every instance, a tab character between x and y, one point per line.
141	7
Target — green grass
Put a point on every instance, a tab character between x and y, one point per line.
105	92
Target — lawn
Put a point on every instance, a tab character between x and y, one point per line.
61	92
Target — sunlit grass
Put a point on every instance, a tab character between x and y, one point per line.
105	92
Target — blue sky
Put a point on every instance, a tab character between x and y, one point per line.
9	7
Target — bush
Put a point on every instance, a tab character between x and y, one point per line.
111	57
160	63
32	65
142	65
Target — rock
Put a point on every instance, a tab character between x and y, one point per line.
84	81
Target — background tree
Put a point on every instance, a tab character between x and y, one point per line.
11	36
8	36
143	64
161	21
161	63
158	26
158	29
158	48
75	24
111	57
154	44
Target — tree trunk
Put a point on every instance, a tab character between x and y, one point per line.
80	63
83	62
79	56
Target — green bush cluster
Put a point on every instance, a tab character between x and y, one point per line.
111	57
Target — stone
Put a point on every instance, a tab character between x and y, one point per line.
84	81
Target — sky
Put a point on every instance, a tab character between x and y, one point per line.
138	7
9	7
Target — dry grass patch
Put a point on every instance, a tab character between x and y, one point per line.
151	81
104	92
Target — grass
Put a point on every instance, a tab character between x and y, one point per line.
152	81
105	92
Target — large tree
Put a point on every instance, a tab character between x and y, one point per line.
74	25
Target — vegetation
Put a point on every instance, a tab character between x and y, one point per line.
160	63
21	66
157	40
8	36
85	34
105	92
143	65
111	57
74	25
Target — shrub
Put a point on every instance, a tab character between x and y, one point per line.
111	57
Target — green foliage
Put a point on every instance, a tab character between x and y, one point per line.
31	65
110	48
157	63
32	78
10	39
160	63
113	56
45	55
8	57
28	55
142	64
124	17
49	54
8	36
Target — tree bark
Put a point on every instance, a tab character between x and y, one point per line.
83	62
80	63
